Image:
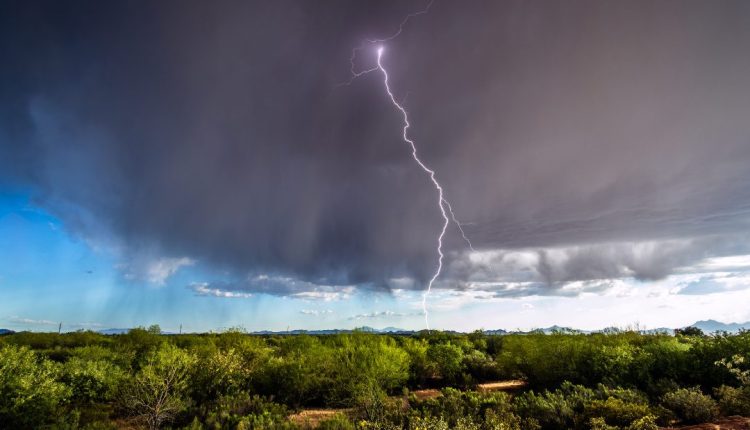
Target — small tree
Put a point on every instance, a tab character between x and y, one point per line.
30	394
734	365
158	392
688	331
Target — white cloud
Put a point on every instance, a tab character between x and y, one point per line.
325	294
383	314
154	271
203	289
316	312
30	321
160	270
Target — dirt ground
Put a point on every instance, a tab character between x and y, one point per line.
509	385
430	393
312	417
729	423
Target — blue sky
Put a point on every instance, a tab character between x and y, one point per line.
50	276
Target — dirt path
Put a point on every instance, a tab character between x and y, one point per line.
508	385
512	384
312	417
729	423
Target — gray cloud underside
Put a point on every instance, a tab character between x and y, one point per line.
583	133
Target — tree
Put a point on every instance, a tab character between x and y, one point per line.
91	380
446	360
29	392
158	392
688	331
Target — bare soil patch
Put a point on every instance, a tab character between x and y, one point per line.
729	423
429	393
312	417
512	384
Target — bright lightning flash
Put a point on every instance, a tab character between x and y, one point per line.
446	209
443	204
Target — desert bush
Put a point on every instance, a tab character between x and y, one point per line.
737	367
367	368
445	361
337	422
243	411
691	405
733	401
616	411
428	423
158	392
647	422
551	409
600	423
92	380
469	409
220	372
30	394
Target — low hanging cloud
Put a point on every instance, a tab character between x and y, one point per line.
204	289
577	151
156	271
316	312
383	314
16	320
30	321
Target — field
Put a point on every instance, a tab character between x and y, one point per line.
144	379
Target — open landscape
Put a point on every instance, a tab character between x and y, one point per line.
422	381
375	214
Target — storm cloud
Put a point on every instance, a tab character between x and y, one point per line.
581	140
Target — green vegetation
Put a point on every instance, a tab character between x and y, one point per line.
233	380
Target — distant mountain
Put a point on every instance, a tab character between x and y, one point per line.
114	331
660	330
711	326
393	330
334	331
5	331
708	327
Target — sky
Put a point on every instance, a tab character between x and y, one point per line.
214	164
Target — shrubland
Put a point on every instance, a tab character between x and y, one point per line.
234	380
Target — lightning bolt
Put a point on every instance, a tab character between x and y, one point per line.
367	42
446	210
443	204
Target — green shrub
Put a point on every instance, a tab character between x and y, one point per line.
647	422
734	401
30	394
552	410
427	423
599	423
92	381
336	422
691	405
157	393
616	411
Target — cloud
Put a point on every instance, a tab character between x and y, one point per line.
589	268
277	285
204	289
382	314
148	267
16	320
716	283
614	148
326	296
30	321
316	312
159	271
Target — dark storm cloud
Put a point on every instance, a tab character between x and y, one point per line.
214	132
